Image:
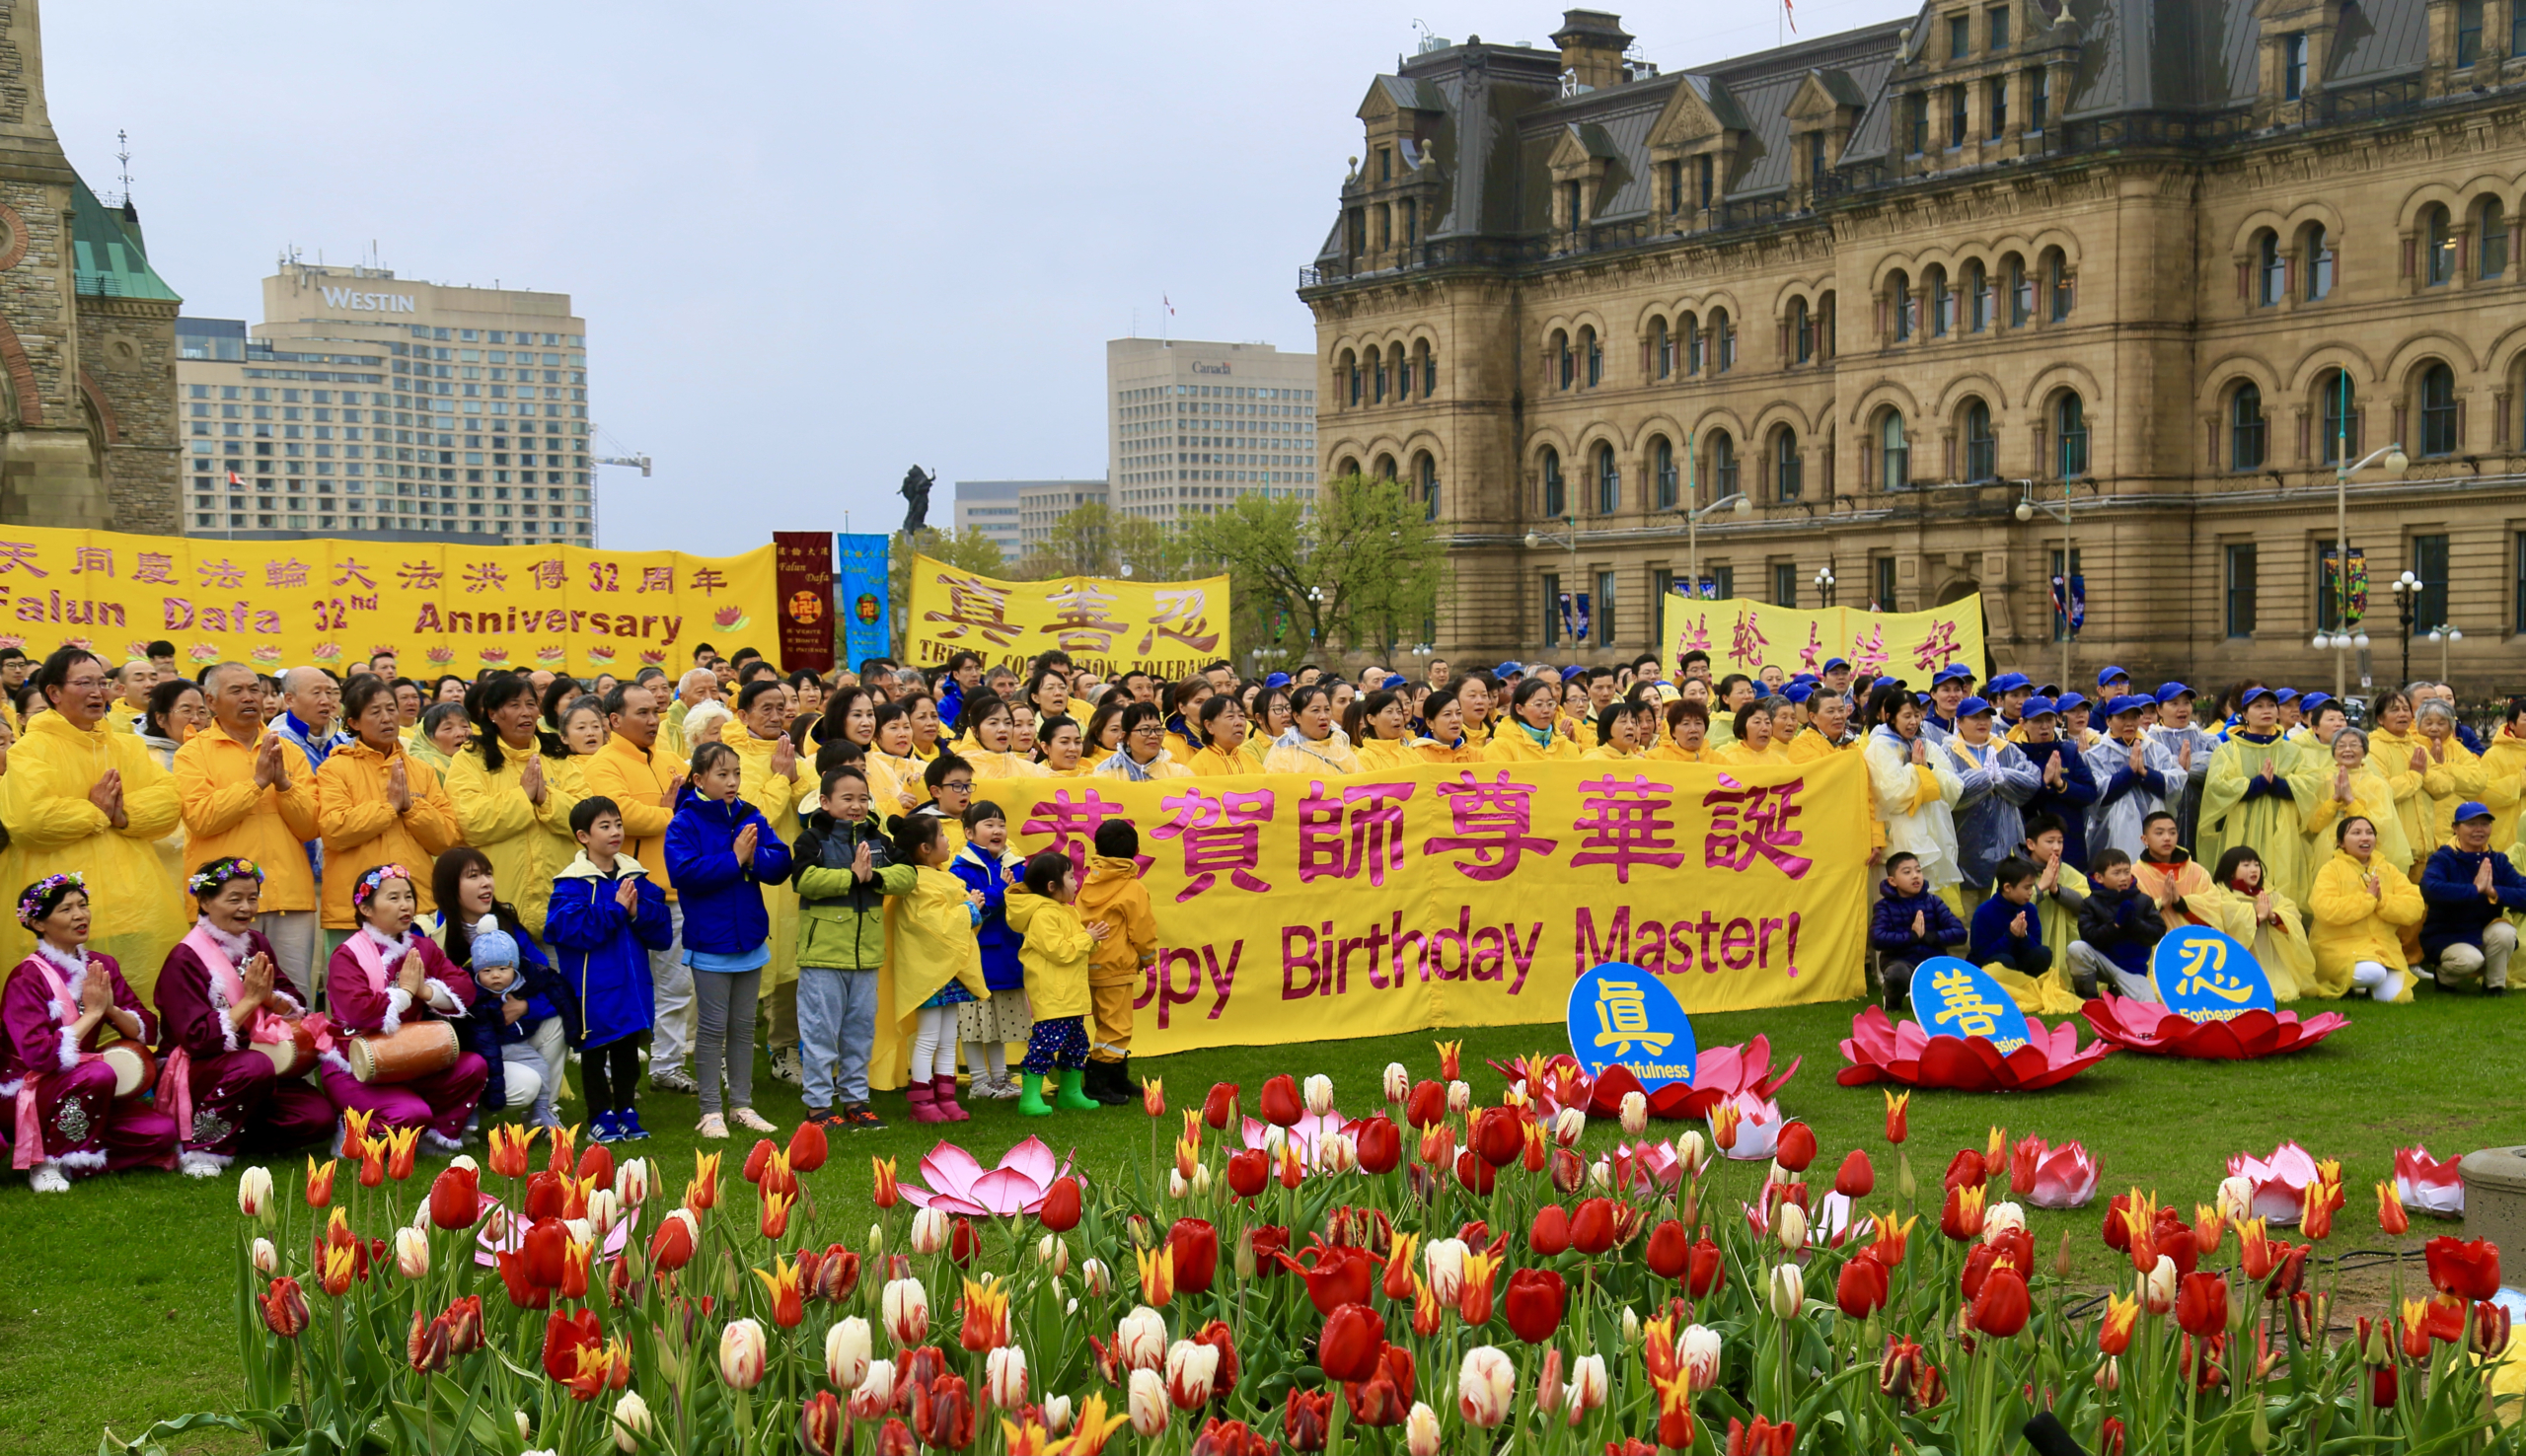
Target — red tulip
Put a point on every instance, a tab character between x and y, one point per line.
2491	1329
820	1421
598	1163
2468	1271
2174	1238
1552	1231
1218	1337
1707	1269
566	1334
1979	1263
1348	1348
1249	1172
545	1196
455	1197
465	1327
1473	1174
1386	1397
1591	1228
2446	1318
1857	1178
1280	1102
1670	1249
1966	1170
837	1274
2003	1306
671	1247
943	1414
1307	1418
1534	1304
1899	1117
1344	1274
964	1241
2382	1387
1428	1105
759	1159
1795	1147
1961	1219
1500	1136
545	1249
1380	1144
1762	1438
808	1149
1196	1255
2117	1231
1060	1210
1861	1290
524	1293
1220	1107
284	1308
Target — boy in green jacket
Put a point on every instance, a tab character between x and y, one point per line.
842	871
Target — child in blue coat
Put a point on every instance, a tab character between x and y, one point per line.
604	916
987	866
720	853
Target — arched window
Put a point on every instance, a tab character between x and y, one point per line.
1802	336
1942	305
1378	385
1555	500
1724	339
2316	248
2437	247
2021	293
2438	411
2070	428
1403	375
1691	330
1385	468
1827	325
1565	361
2338	403
1350	468
1609	481
1661	350
1981	447
1662	457
1596	352
2061	283
2246	433
1351	367
1900	293
2491	234
1723	466
1786	469
2271	269
1425	472
1978	298
1429	371
1895	451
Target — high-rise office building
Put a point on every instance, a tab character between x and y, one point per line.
1042	503
367	404
991	507
1194	426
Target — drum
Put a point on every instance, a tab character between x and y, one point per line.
293	1055
415	1050
135	1070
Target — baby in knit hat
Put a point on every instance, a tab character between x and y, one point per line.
511	1014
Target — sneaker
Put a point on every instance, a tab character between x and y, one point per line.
606	1130
824	1116
676	1079
195	1164
46	1177
861	1117
750	1119
629	1129
785	1067
712	1126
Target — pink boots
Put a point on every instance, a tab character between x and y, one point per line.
942	1099
925	1107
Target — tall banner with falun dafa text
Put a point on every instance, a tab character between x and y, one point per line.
1292	908
441	609
1107	625
1744	637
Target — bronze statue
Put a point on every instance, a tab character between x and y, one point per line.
915	493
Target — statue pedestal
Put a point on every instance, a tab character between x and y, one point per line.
2495	1196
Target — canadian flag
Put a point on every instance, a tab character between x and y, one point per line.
236	481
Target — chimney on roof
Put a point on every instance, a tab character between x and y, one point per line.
1592	44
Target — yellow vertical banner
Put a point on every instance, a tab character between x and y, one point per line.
1746	637
1171	629
441	607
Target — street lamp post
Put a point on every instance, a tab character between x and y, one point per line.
1737	503
2407	590
2342	637
1536	541
2443	634
1824	581
2027	506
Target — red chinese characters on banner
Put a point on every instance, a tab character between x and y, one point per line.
1747	823
975	606
1939	649
1179	618
1073	823
1868	649
1624	826
1370	840
1083	618
1745	640
1493	821
1219	833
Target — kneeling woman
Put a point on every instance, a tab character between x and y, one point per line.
382	981
59	1006
2361	908
229	1029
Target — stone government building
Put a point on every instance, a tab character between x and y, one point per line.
2165	258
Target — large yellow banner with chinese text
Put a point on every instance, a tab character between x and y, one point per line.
441	609
1292	908
1168	629
1743	636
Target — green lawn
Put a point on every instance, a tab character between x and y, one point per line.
116	1312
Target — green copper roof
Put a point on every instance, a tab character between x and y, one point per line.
107	251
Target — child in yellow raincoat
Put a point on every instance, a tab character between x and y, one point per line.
1055	954
935	963
2247	909
2361	908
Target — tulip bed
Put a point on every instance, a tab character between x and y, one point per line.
1919	1366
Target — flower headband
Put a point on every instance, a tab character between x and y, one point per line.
44	896
205	882
369	883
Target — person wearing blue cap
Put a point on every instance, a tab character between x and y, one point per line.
2070	722
1997	781
2260	790
1947	690
2008	692
2468	885
1914	790
2111	683
2134	776
2191	747
1837	675
2067	787
2313	711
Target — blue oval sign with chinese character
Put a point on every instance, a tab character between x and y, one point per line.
1622	1014
2203	976
1958	998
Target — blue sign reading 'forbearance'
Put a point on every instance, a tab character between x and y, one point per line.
2203	976
1621	1015
1958	998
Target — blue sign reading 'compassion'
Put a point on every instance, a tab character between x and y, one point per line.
1621	1015
2203	976
1958	998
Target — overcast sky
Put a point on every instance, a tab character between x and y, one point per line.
814	242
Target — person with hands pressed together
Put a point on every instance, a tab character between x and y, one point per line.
221	995
608	924
82	796
778	784
378	981
245	796
513	787
2260	788
2135	776
2005	931
2401	754
1997	779
843	866
61	1007
375	804
1909	925
985	1029
721	853
2243	904
2468	885
1913	791
1056	953
2065	787
2355	786
2361	908
642	774
2059	890
936	962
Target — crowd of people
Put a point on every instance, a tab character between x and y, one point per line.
254	904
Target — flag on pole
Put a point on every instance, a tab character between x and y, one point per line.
1790	11
236	481
1169	303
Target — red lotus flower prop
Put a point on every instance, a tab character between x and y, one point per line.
1880	1050
2427	1185
2063	1177
2280	1182
2144	1026
1718	1072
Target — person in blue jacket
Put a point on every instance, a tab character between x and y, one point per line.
604	917
524	1020
1910	925
2469	885
2006	932
2067	787
720	853
988	866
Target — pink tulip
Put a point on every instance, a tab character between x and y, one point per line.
2066	1177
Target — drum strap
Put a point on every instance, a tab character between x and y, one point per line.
30	1139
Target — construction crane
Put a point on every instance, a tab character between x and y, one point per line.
640	460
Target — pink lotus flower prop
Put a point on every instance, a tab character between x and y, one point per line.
2280	1182
1719	1072
2427	1185
1880	1050
2145	1026
960	1185
1307	1133
1757	1127
2063	1177
1651	1167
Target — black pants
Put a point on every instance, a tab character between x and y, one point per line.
612	1074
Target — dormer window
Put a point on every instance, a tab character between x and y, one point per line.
1959	36
1707	178
1814	159
1998	25
2468	32
1385	164
2293	66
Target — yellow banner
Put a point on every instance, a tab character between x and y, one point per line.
1743	636
1293	909
1168	629
441	608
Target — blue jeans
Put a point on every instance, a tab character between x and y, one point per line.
837	1027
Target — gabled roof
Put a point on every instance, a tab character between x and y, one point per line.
106	255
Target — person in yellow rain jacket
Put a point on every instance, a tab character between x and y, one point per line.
1750	738
1115	897
83	796
1064	741
1474	699
933	964
1222	729
894	771
1827	730
1687	736
2241	906
990	728
2258	792
1314	744
2504	765
1183	708
2418	770
1446	743
776	781
246	798
1616	734
363	819
2450	762
1056	953
513	788
1376	725
1528	734
2353	786
2361	908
